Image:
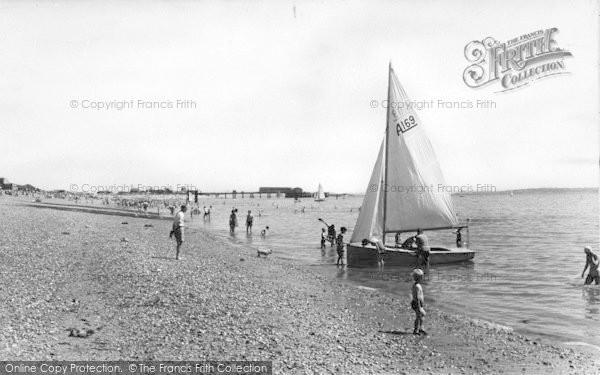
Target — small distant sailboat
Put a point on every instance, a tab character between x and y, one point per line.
406	159
512	194
320	194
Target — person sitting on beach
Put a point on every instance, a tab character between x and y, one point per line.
591	261
263	233
458	238
178	225
423	249
418	301
340	246
232	221
249	220
323	238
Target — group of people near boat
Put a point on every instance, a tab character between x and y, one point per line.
419	243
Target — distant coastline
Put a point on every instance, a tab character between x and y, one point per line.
535	190
516	191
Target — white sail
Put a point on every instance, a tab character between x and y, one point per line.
370	218
320	193
415	195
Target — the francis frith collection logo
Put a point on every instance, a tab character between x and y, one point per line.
514	63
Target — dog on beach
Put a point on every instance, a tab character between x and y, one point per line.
263	251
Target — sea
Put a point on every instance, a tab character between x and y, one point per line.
526	274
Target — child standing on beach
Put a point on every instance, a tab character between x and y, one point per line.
417	302
340	246
323	238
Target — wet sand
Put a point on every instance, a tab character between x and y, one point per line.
67	274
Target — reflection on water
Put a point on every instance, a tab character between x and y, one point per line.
525	274
591	298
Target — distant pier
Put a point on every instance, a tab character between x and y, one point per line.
257	194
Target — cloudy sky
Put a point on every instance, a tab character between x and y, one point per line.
283	92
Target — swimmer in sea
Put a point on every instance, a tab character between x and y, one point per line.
417	302
263	233
591	261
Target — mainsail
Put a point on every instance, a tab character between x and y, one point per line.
412	192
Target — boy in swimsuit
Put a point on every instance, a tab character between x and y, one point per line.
323	238
417	302
340	246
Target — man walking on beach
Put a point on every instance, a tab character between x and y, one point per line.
591	260
178	225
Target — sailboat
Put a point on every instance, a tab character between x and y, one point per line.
404	193
320	194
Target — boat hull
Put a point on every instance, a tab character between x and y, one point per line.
366	256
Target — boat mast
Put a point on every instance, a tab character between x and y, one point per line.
385	174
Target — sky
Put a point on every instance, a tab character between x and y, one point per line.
283	93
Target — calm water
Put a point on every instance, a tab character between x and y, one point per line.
525	275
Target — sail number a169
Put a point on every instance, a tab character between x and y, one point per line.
406	124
